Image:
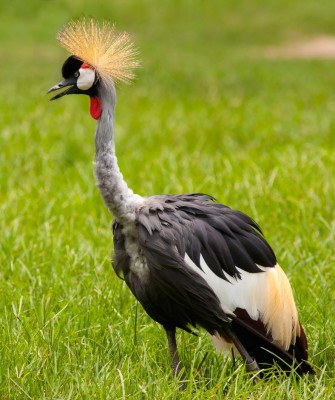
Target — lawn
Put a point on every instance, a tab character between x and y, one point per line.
208	112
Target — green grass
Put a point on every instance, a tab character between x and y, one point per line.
205	114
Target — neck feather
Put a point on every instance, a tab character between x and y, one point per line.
118	197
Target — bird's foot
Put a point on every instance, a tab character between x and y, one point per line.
178	374
252	366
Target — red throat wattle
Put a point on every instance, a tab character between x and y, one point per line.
95	107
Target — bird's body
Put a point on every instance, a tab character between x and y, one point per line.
191	261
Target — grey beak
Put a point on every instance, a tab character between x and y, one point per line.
64	83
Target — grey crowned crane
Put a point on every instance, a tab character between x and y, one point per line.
187	259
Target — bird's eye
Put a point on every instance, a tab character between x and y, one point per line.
76	74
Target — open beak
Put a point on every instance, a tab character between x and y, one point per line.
64	83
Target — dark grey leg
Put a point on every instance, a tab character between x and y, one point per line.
171	337
251	363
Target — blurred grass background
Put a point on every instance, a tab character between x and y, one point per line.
208	112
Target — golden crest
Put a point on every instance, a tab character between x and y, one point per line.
111	53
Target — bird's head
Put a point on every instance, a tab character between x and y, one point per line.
79	78
100	56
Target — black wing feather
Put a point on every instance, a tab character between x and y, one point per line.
172	294
227	239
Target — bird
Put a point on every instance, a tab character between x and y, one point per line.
190	261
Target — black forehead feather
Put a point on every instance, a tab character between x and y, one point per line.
71	65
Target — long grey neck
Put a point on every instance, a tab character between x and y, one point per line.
118	197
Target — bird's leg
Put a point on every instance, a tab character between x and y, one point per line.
251	363
171	337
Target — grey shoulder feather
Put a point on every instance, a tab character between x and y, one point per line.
196	225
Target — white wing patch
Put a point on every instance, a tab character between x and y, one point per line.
265	295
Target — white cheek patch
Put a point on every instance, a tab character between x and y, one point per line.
86	78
